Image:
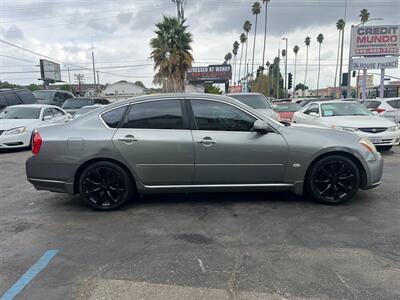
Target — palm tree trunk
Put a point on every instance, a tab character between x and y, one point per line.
245	61
337	66
341	59
254	47
234	70
240	62
294	75
305	75
319	68
265	43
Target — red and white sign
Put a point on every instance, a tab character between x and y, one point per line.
375	40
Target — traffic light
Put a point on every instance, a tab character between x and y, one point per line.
290	81
258	73
281	83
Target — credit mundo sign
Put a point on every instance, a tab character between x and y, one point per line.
375	40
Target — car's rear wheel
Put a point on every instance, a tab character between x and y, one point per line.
105	186
383	148
333	179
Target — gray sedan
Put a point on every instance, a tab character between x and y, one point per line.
194	142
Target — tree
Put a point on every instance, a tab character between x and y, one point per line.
227	58
339	26
265	29
247	28
33	87
171	53
364	15
296	50
243	40
300	86
307	41
256	10
235	52
66	87
211	89
320	39
139	83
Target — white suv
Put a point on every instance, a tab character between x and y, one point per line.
381	106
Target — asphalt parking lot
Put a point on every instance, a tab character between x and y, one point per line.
201	246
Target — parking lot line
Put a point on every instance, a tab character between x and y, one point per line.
29	275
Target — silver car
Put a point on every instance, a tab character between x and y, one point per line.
194	142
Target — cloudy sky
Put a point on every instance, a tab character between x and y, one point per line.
121	30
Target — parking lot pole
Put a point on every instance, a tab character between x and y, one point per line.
382	85
349	67
364	85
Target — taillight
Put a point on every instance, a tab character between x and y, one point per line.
379	110
36	143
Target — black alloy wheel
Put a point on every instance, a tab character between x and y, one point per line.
333	179
105	186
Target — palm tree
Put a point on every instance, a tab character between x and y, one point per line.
247	28
227	58
256	10
235	52
296	50
307	41
171	53
320	39
339	26
243	40
364	15
265	28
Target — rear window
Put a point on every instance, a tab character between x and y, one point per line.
394	103
26	97
77	103
113	117
254	101
43	96
12	99
372	104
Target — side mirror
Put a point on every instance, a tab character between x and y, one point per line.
261	127
47	118
314	114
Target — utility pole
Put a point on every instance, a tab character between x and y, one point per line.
286	55
277	67
98	84
94	71
69	79
79	78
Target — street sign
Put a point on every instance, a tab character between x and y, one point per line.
49	71
375	62
210	74
375	40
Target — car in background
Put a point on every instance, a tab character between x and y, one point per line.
52	97
383	105
307	101
86	109
258	102
18	122
10	97
285	110
196	142
393	115
71	106
353	117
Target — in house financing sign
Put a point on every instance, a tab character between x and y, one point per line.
375	40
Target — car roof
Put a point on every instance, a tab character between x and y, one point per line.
334	101
35	105
243	94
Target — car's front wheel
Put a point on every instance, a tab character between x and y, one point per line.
105	186
333	179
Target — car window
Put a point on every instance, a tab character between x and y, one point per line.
394	103
313	108
163	114
113	117
68	96
57	112
372	104
254	101
217	116
20	112
26	97
344	109
12	99
3	102
47	112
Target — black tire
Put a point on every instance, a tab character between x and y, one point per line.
383	148
105	186
333	179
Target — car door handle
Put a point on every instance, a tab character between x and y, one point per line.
207	141
128	139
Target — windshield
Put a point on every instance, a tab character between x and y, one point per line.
287	107
77	103
43	95
344	109
20	113
254	101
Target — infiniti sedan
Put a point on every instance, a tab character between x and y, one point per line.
194	142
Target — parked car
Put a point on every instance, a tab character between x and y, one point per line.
353	117
196	142
71	106
393	115
9	97
286	110
308	101
258	102
84	110
383	105
52	97
18	122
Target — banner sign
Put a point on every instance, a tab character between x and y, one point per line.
377	62
375	40
210	74
49	70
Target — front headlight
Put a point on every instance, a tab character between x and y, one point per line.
394	128
350	129
17	130
367	144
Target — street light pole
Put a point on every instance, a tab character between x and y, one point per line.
286	55
69	79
